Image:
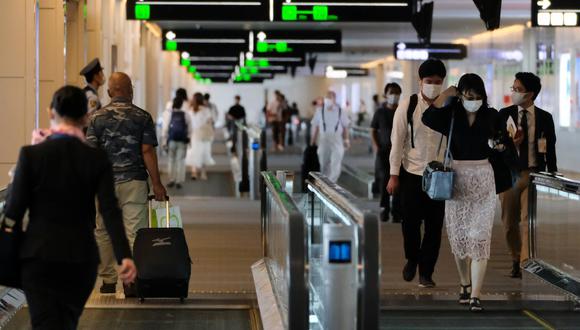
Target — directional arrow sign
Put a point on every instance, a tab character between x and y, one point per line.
545	4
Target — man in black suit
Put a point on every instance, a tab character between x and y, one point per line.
535	140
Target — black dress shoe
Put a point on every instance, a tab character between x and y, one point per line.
108	288
465	294
409	271
130	291
516	270
426	282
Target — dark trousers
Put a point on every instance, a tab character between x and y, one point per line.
418	208
382	175
56	292
279	132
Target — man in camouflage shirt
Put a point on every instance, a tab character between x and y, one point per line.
127	134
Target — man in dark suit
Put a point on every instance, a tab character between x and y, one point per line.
535	140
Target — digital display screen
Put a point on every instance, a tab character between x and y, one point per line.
280	42
198	10
419	52
271	10
339	252
559	13
343	11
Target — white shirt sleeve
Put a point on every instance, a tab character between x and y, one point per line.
398	137
165	126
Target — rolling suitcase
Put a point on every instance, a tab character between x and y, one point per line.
162	260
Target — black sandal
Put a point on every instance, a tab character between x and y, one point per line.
475	305
464	295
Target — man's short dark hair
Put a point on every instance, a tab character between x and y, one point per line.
181	93
432	67
70	102
237	97
531	82
206	96
376	97
393	87
177	103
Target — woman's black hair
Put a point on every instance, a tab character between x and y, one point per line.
181	93
432	67
394	87
70	102
177	102
531	82
472	82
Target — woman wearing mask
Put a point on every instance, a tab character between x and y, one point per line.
199	154
477	136
381	127
57	181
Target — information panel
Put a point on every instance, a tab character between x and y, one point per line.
556	13
420	52
199	10
343	11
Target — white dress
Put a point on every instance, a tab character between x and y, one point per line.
199	151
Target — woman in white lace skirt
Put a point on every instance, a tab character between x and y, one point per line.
199	153
477	136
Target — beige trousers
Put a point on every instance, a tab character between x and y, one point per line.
132	196
514	215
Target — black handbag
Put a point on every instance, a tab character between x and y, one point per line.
10	237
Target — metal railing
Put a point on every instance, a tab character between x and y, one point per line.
336	219
280	275
360	132
360	182
251	153
554	229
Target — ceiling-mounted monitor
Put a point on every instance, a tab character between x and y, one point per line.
198	10
343	10
420	52
555	13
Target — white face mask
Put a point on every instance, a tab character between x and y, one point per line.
518	98
472	106
392	99
328	102
431	91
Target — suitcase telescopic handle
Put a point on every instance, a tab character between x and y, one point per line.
151	198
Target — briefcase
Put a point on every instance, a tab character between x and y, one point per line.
162	259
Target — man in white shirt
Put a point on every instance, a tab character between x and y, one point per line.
330	130
414	145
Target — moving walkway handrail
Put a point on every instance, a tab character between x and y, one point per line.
283	247
553	259
367	226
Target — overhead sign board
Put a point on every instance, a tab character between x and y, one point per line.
271	10
296	41
198	10
419	52
343	11
556	13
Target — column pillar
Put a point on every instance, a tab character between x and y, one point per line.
17	80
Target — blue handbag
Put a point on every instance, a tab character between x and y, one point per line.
438	177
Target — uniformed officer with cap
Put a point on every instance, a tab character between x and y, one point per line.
95	77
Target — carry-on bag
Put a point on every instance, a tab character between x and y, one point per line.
162	260
310	163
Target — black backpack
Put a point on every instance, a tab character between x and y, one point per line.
178	130
410	111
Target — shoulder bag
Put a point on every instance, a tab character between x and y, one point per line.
10	235
438	177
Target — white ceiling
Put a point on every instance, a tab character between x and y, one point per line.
363	42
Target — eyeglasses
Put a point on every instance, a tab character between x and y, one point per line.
517	90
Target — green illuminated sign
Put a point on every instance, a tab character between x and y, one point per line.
142	12
263	63
170	45
279	47
319	13
254	70
192	69
185	62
